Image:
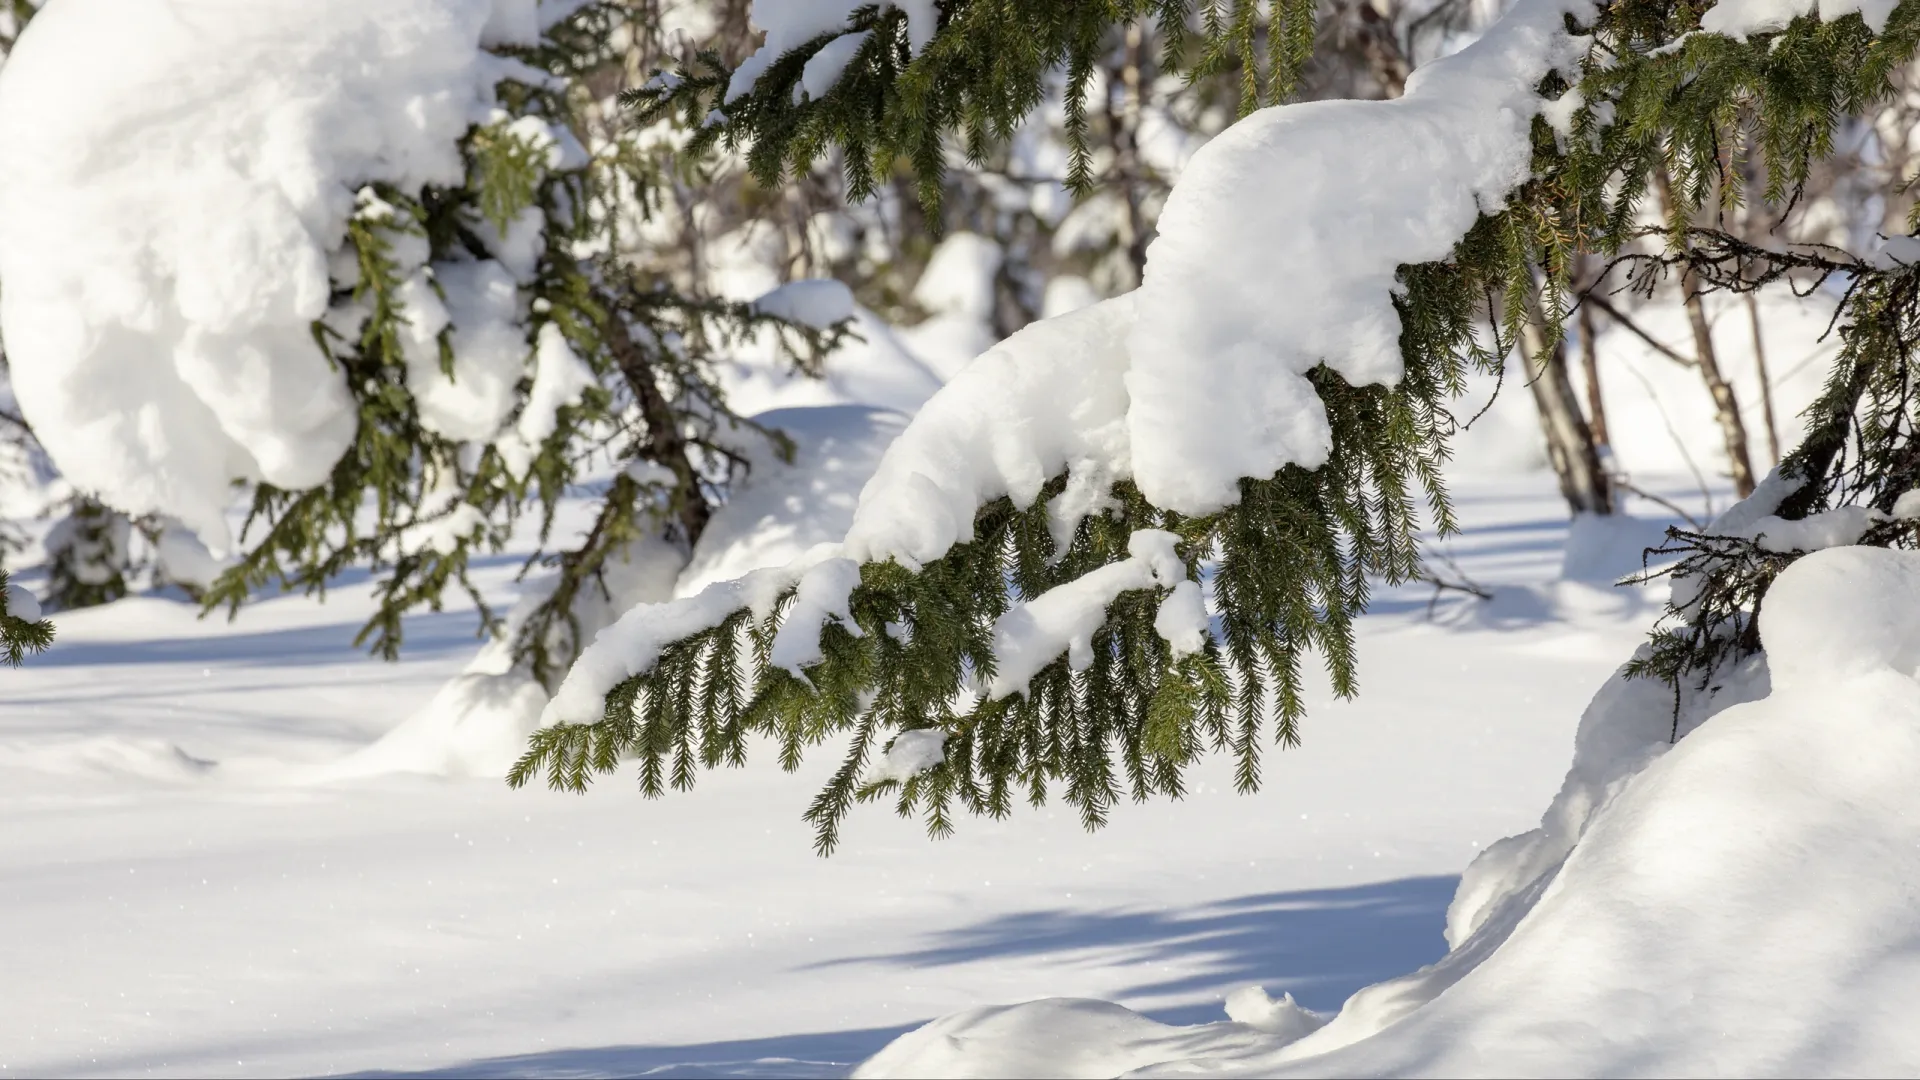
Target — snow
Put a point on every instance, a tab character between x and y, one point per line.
1067	292
1043	401
254	914
959	276
21	603
220	860
1217	381
1604	549
790	24
183	559
783	510
1063	619
1673	900
1002	433
489	347
1182	619
957	290
827	65
818	303
872	366
824	593
1252	1006
1841	611
166	240
946	343
1829	528
912	753
478	722
1060	1037
1740	18
1655	893
560	379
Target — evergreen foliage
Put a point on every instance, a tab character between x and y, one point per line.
1291	563
20	635
16	446
88	556
1859	450
14	15
986	69
414	505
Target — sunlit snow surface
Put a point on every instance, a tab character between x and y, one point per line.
180	896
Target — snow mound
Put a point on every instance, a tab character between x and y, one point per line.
871	367
1062	1037
1603	549
818	303
784	509
1737	903
478	723
178	172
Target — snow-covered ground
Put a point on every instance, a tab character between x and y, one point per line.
182	893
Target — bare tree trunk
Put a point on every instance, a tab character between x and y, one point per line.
1733	429
1380	42
1571	447
1123	134
1766	380
1590	367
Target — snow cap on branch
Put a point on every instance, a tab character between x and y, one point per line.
177	175
1278	250
790	24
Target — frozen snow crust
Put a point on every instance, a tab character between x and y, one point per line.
177	173
1740	903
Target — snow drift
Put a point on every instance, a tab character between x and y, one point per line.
1739	902
478	723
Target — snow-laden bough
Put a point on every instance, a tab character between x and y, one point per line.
177	183
1198	378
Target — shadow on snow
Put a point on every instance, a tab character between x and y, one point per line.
1321	945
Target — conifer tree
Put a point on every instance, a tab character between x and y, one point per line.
898	657
22	630
618	350
619	370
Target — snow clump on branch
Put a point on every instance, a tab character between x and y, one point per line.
179	179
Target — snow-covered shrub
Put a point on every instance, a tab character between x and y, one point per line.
22	630
89	555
